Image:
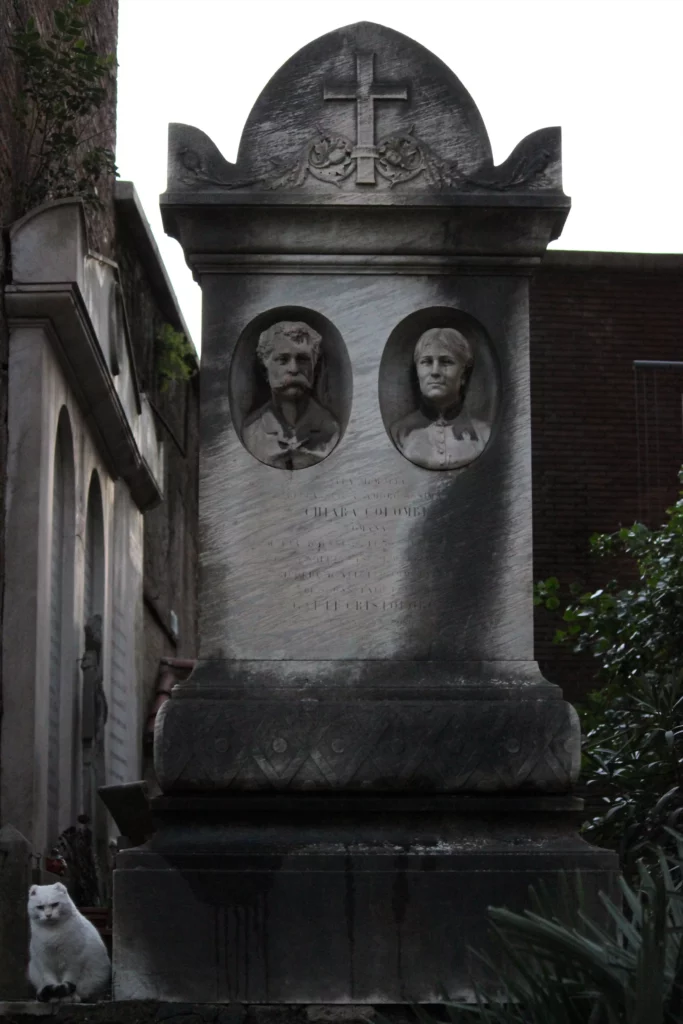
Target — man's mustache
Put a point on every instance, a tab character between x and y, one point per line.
297	378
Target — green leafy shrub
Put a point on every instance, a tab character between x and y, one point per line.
63	83
553	964
175	357
632	755
633	725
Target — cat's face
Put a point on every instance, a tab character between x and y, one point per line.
49	904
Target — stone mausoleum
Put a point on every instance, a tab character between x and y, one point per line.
98	482
366	755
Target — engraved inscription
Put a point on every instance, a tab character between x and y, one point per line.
343	558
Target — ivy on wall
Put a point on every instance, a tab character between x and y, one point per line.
175	357
63	84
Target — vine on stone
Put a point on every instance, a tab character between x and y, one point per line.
175	357
63	83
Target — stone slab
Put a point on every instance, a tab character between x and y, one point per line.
151	1012
225	907
366	555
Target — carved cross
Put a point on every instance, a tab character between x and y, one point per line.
364	91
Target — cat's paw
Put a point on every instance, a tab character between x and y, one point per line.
63	991
46	993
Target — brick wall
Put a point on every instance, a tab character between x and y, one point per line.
607	440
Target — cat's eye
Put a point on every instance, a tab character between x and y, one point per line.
53	905
41	906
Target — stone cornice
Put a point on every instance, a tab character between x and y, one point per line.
129	209
72	335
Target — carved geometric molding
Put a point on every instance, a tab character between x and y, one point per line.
441	746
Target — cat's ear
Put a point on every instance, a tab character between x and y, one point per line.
60	887
33	890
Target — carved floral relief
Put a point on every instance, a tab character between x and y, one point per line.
334	158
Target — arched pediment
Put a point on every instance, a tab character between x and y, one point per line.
367	79
363	109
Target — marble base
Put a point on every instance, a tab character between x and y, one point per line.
332	900
451	745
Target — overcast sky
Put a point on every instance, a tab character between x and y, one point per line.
610	72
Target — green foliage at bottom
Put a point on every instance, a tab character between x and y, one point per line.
554	964
633	725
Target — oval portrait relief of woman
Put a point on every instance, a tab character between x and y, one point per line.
451	408
289	417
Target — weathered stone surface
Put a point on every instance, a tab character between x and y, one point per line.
366	590
366	555
170	530
364	106
351	901
441	746
15	875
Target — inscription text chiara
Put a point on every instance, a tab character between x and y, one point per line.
340	558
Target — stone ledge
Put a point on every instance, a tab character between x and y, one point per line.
129	209
60	308
73	295
251	907
152	1012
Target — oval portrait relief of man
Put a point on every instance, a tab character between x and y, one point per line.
292	429
441	433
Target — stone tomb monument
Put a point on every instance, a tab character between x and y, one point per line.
366	756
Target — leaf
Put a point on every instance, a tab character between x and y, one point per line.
64	81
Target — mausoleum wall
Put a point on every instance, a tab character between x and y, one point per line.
170	529
36	633
101	18
78	358
84	465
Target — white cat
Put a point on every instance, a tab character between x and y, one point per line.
67	958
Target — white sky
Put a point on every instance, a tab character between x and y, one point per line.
610	72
